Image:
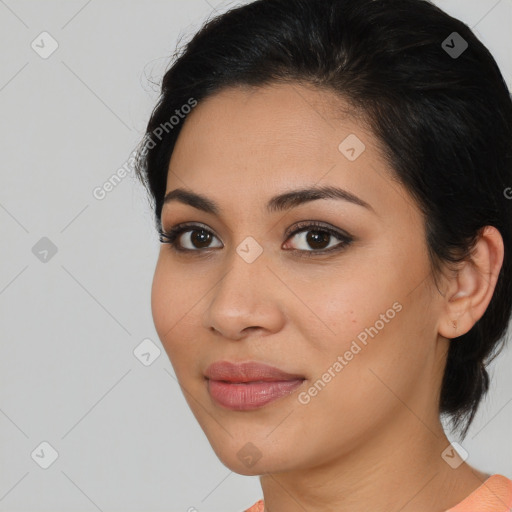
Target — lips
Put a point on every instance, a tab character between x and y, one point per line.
248	372
248	386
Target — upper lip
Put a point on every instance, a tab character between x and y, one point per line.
247	372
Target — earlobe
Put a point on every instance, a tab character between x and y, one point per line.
470	291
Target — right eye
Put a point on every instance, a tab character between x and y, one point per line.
198	239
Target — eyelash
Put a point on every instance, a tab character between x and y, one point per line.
170	237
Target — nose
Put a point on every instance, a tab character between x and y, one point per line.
247	298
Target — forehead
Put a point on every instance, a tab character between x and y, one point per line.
255	142
268	122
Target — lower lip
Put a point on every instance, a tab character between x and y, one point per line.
240	396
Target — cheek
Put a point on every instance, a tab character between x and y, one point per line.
377	354
374	296
169	307
161	294
362	324
344	303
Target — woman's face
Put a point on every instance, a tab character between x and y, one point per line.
357	327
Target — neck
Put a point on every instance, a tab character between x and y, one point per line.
402	472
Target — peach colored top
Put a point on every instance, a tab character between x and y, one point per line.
494	495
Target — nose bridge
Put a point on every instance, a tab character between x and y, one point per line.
246	261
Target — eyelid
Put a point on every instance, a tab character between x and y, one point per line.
311	224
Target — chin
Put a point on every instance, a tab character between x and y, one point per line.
252	458
258	468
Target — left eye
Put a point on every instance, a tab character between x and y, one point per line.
317	239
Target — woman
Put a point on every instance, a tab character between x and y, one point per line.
331	183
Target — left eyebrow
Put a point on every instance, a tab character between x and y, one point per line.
277	203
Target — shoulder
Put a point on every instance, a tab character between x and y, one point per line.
257	507
495	494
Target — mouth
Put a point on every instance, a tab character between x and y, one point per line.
250	385
245	396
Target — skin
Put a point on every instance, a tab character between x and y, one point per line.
371	439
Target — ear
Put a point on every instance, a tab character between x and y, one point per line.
468	293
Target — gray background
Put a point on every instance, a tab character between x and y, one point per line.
124	435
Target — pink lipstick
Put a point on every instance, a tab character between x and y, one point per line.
250	385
